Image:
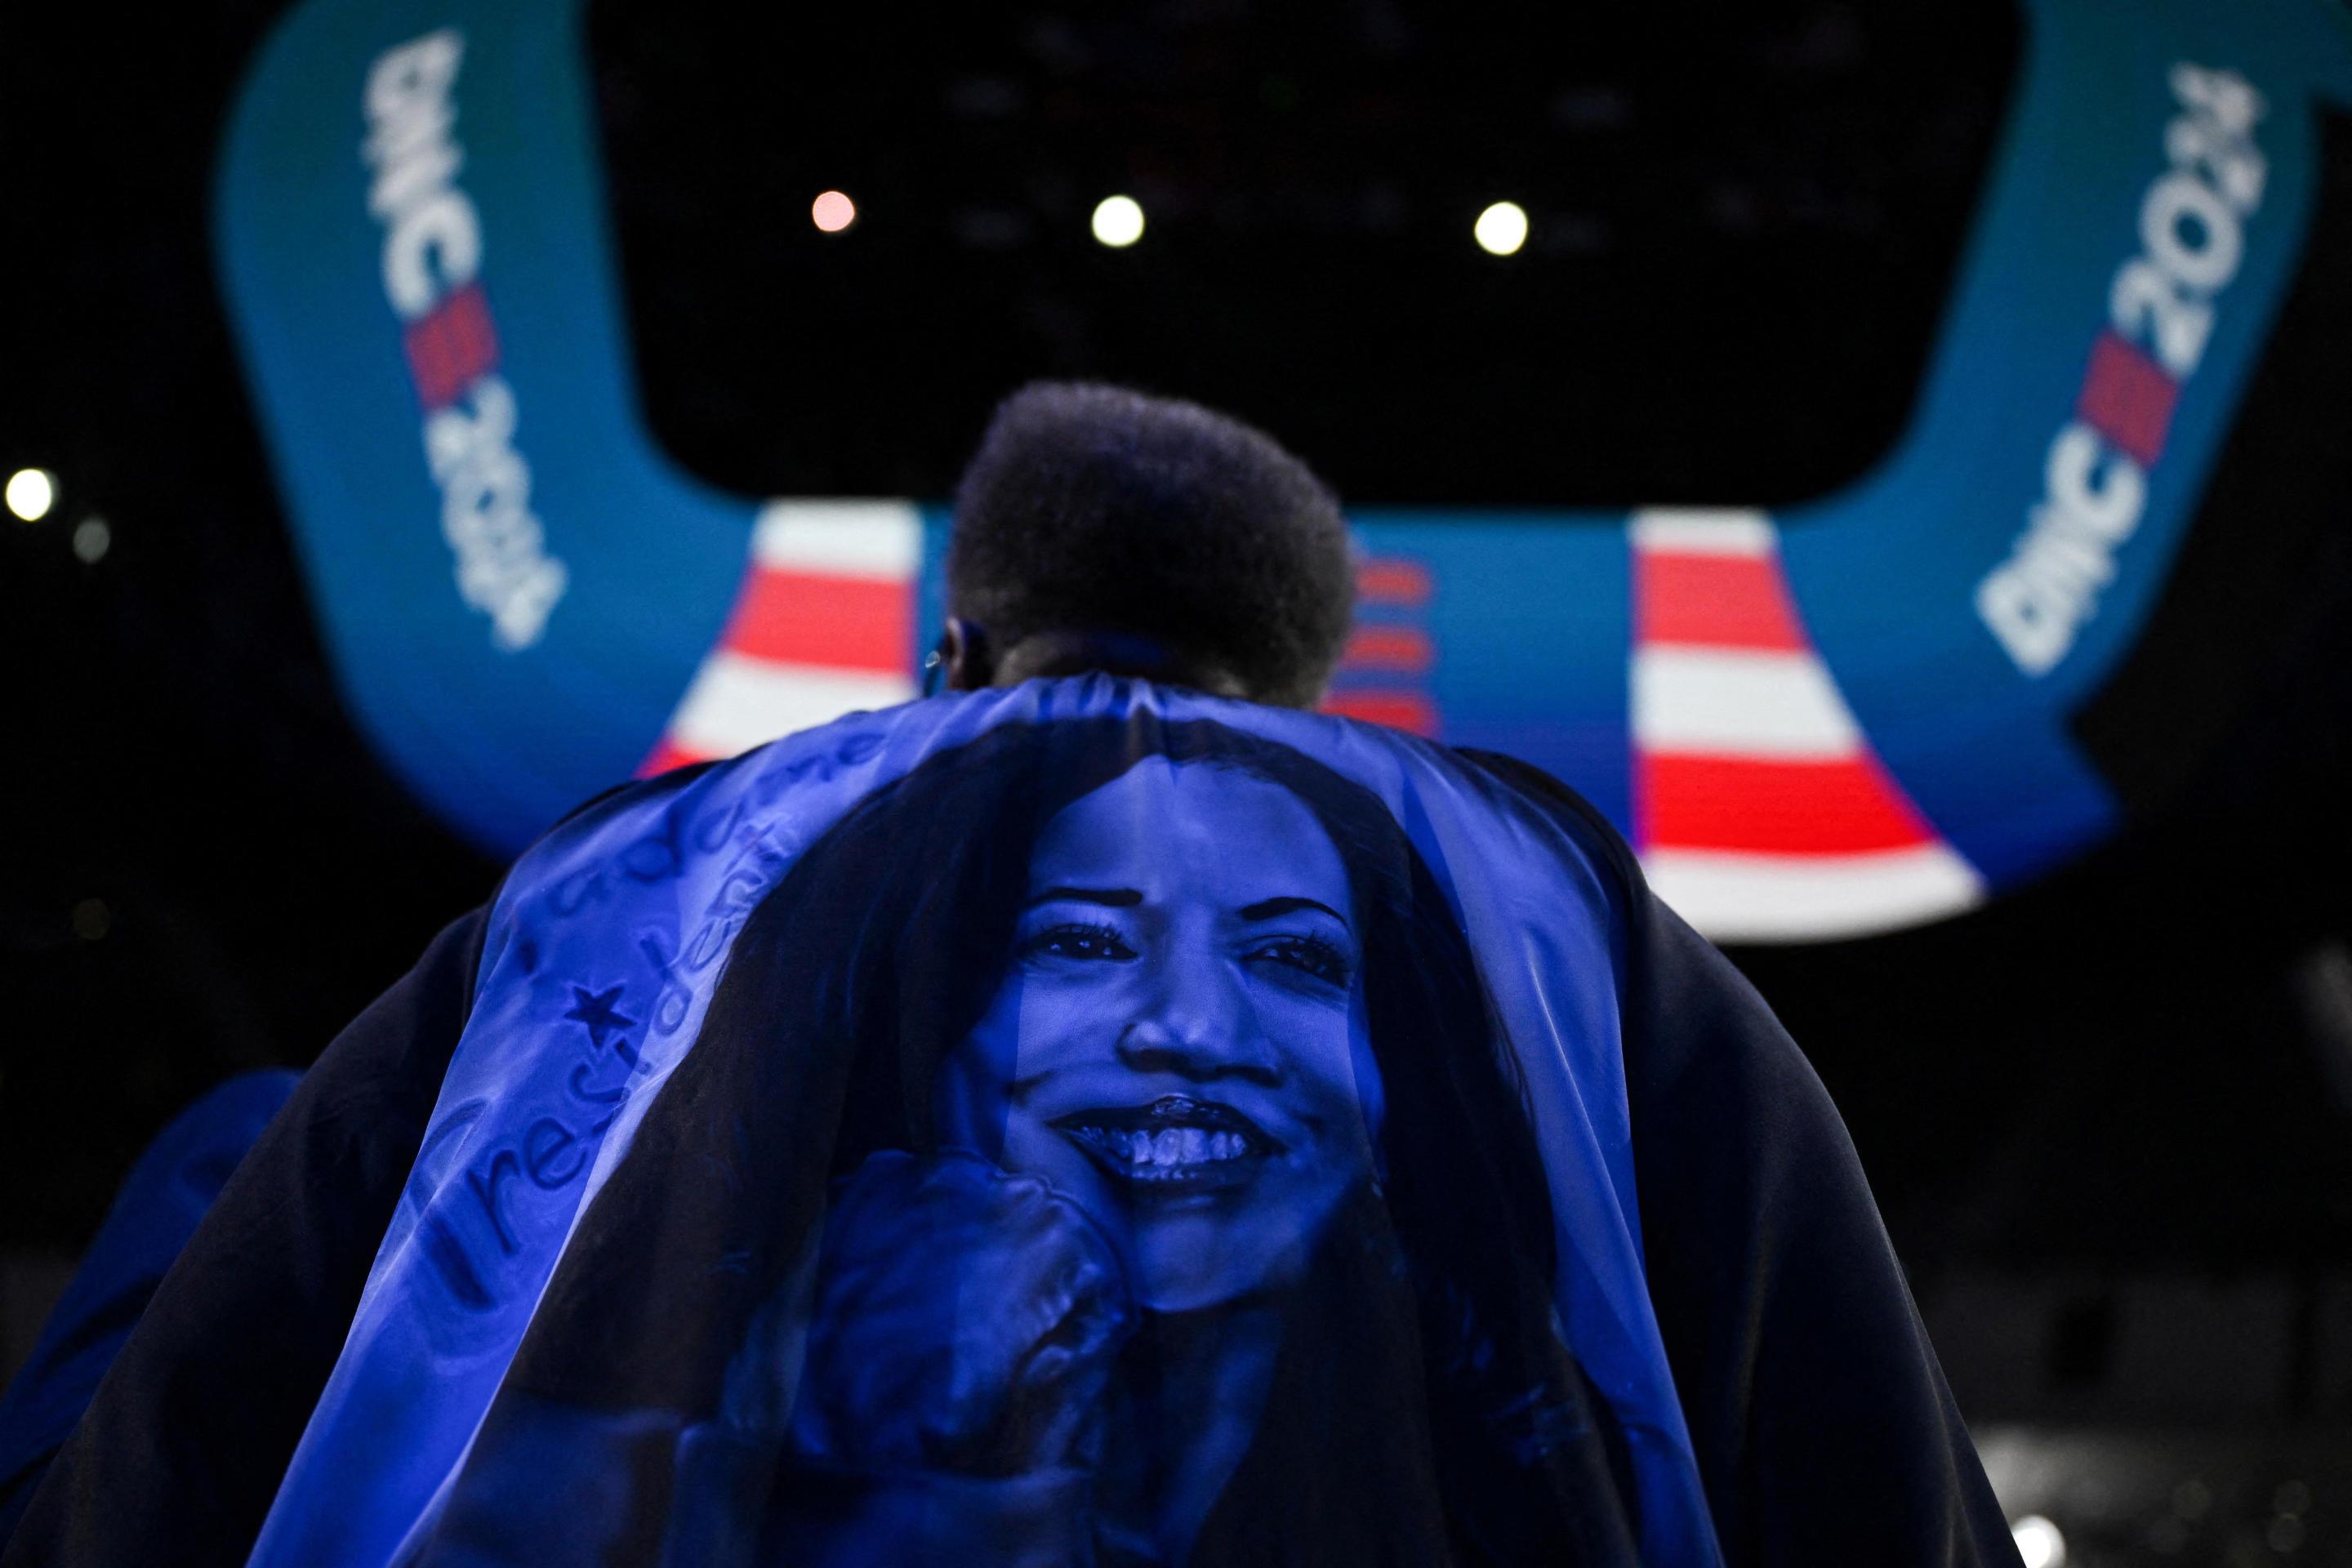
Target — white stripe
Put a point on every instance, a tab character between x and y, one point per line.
1739	702
737	703
1733	897
841	538
1703	531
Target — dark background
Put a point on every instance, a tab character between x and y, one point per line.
1746	216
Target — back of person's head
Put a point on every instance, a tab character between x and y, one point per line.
1101	529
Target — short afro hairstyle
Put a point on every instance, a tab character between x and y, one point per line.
1095	509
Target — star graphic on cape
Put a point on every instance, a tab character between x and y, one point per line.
599	1011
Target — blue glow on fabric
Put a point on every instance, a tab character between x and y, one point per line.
601	962
590	577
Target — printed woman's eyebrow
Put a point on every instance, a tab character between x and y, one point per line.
1115	898
1266	909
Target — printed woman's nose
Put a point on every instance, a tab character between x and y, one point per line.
1198	1024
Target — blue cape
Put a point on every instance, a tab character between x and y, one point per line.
609	943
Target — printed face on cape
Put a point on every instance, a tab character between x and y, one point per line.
1179	1041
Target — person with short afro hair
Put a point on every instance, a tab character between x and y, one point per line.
1795	1411
1103	529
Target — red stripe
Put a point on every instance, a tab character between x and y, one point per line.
2128	398
1408	711
664	756
1404	649
798	617
1786	808
1718	601
449	349
1393	580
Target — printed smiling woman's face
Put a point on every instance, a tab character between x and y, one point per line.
1179	1042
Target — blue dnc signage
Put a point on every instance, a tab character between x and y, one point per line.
1847	716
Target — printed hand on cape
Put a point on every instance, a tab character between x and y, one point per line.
966	1320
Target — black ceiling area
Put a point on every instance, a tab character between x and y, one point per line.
1742	222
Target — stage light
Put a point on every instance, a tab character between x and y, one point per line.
2039	1542
1501	228
31	493
1119	221
91	540
833	212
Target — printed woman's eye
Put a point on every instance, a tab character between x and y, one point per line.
1082	941
1308	954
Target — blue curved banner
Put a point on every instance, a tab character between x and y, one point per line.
1844	718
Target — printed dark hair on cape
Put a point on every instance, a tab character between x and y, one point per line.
876	955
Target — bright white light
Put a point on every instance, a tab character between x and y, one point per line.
91	540
833	212
31	493
2039	1542
1119	221
1501	228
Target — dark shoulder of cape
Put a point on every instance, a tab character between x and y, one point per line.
181	1452
1818	1413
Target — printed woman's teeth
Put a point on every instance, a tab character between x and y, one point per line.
1174	1146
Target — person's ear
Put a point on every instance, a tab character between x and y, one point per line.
969	664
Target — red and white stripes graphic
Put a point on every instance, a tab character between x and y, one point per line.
1760	811
1383	674
824	625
